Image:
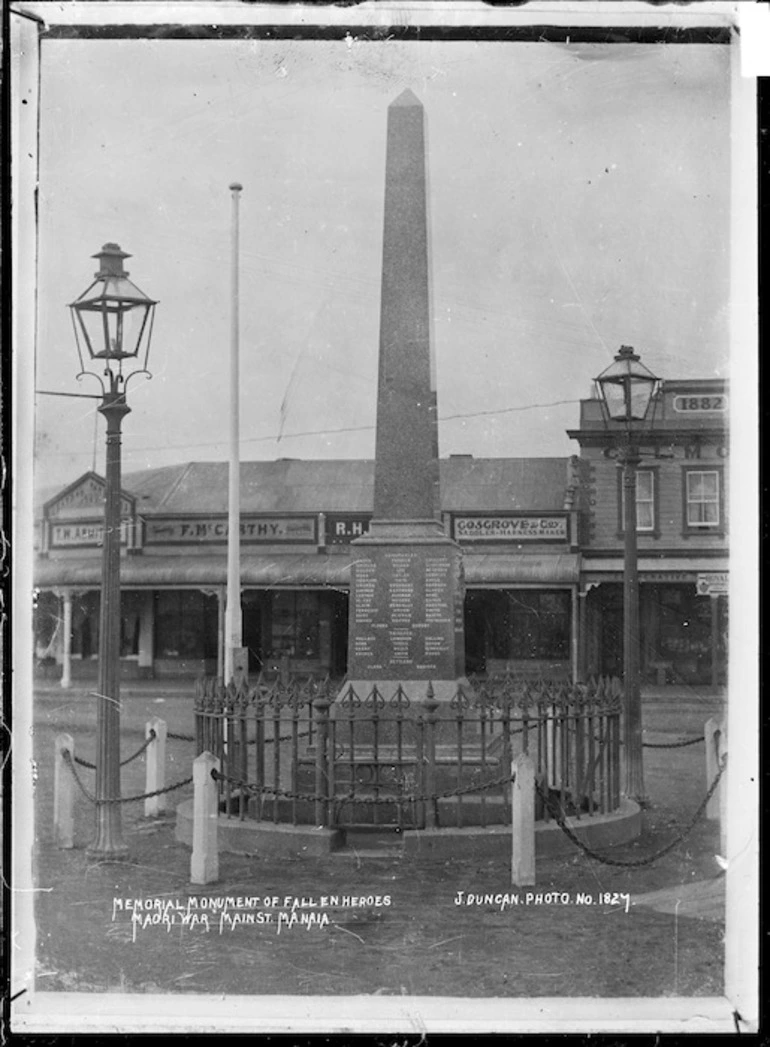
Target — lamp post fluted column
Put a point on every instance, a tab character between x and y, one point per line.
112	320
632	711
627	389
108	842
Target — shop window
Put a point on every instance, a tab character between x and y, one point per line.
645	500
294	625
528	625
685	638
47	623
185	625
85	625
130	620
703	510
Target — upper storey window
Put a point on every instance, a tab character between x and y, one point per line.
645	500
703	497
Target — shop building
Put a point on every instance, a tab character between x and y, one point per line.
542	543
515	520
682	530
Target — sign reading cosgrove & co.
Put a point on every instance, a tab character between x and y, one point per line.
510	527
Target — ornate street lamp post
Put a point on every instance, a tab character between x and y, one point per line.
626	390
113	328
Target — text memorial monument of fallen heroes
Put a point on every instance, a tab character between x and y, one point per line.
406	614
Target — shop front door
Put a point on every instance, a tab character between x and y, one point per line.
252	635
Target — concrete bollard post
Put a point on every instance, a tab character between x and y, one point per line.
713	736
523	821
63	793
204	862
155	767
721	791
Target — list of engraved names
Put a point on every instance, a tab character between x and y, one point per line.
403	612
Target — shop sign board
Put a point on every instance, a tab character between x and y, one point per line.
712	583
213	530
83	534
667	577
593	578
510	527
342	528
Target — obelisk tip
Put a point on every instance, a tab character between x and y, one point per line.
406	98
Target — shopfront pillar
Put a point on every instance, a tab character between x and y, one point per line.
582	637
66	643
575	633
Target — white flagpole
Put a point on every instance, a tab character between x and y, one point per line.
233	616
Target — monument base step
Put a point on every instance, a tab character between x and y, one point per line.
372	840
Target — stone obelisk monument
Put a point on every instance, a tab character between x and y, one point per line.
406	614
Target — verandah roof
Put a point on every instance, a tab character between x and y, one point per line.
309	570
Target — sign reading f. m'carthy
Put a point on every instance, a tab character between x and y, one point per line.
212	530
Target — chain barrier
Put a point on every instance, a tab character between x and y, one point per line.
255	789
672	745
558	816
92	766
68	759
285	737
666	745
181	737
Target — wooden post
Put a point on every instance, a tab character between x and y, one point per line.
155	768
523	821
63	793
204	862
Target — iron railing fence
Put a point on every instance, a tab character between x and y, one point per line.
314	752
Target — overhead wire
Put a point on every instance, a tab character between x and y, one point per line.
328	432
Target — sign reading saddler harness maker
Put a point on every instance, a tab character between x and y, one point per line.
510	527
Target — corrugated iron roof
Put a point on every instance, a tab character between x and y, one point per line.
340	485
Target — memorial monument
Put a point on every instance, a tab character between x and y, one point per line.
406	612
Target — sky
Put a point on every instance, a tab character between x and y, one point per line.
578	200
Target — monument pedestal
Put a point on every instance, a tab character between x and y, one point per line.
406	612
